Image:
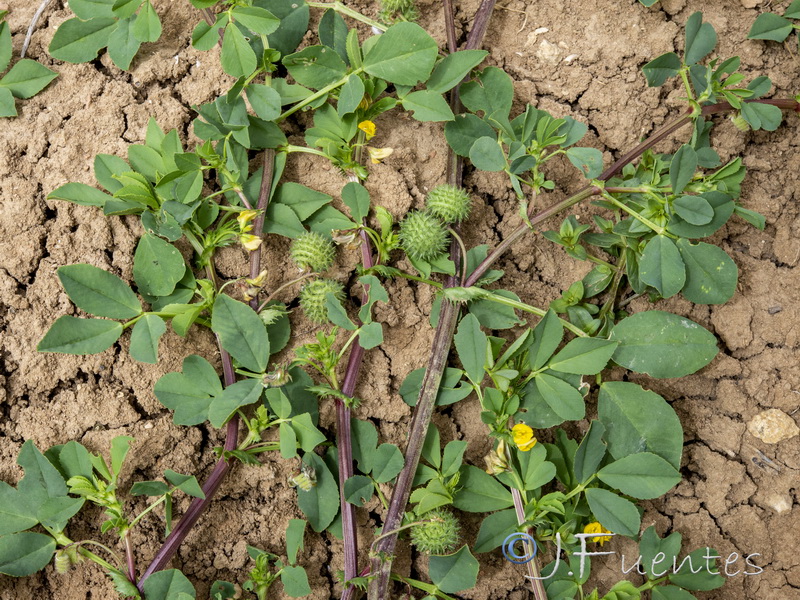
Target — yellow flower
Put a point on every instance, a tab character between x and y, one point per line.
597	528
523	436
376	155
258	281
244	219
250	242
367	127
364	104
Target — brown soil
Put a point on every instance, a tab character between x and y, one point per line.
571	58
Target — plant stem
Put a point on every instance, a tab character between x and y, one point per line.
323	92
258	223
131	559
344	443
381	565
341	8
537	587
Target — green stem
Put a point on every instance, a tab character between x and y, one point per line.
147	510
341	8
323	92
644	220
292	148
531	309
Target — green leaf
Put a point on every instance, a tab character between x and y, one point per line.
144	338
99	292
189	393
682	168
167	585
205	36
451	389
487	155
149	488
452	457
453	68
75	460
5	45
87	9
661	267
256	19
320	504
700	39
72	335
293	15
591	452
237	58
471	343
769	26
662	344
295	582
454	572
670	592
547	336
157	266
711	275
614	513
534	469
356	197
295	532
315	66
642	475
22	554
762	116
119	450
333	33
79	193
755	219
695	210
723	208
638	420
562	398
7	106
492	93
462	132
241	333
588	160
370	335
495	529
364	441
232	398
358	490
428	106
287	440
123	45
350	96
16	510
388	463
55	513
79	41
27	78
404	54
147	27
308	436
186	483
793	10
698	573
480	492
583	356
266	102
122	9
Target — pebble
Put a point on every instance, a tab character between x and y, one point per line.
773	426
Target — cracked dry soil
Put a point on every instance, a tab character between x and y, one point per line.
568	57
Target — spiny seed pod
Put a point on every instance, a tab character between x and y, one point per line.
740	122
62	562
312	298
312	252
439	535
423	236
449	203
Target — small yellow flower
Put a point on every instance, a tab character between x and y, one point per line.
377	155
244	219
523	436
250	242
368	127
595	527
258	281
364	104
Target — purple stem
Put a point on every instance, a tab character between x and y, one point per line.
344	444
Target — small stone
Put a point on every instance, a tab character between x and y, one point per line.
773	426
780	504
750	3
774	310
